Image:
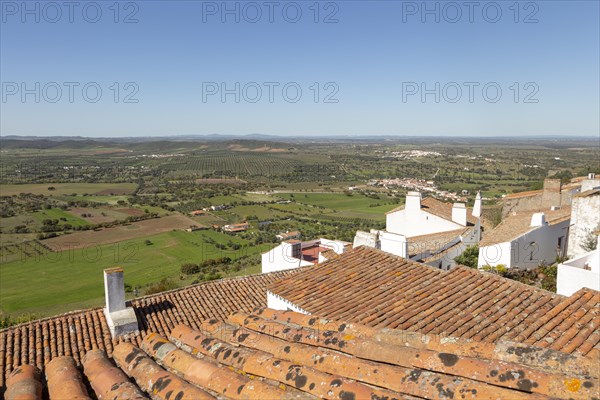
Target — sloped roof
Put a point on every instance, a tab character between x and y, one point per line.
75	333
438	208
381	290
588	193
524	194
272	354
432	242
519	223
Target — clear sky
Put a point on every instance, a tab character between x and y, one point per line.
363	68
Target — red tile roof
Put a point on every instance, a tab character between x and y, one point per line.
378	289
519	223
76	333
285	355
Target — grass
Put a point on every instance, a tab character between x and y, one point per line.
59	282
335	201
66	188
112	200
57	213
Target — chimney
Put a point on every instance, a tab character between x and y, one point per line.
538	219
121	319
459	214
413	202
477	206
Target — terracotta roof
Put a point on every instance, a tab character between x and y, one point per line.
449	254
433	242
439	208
76	333
380	290
524	194
519	223
588	193
311	254
286	355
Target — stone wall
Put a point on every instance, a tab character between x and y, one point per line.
585	219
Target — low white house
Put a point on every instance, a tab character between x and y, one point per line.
424	228
527	239
294	254
425	216
578	273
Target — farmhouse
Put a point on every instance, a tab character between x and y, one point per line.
288	235
236	227
526	239
425	228
295	253
198	212
396	329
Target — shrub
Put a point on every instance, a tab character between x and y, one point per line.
190	269
161	286
469	257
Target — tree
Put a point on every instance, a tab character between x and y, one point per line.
469	257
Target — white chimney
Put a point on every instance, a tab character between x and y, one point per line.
477	206
367	239
114	289
121	320
459	214
538	219
413	202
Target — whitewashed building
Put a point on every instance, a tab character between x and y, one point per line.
526	239
424	228
577	273
295	253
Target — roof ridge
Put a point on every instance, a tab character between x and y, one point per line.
508	280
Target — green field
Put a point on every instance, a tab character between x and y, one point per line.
67	188
57	213
355	206
59	282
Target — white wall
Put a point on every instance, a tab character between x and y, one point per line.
521	253
417	223
335	245
394	243
495	255
277	259
277	302
585	218
571	276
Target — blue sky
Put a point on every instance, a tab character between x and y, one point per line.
381	67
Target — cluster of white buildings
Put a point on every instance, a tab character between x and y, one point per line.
420	185
435	233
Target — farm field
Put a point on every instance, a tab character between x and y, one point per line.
58	282
132	231
68	188
104	214
335	201
57	213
